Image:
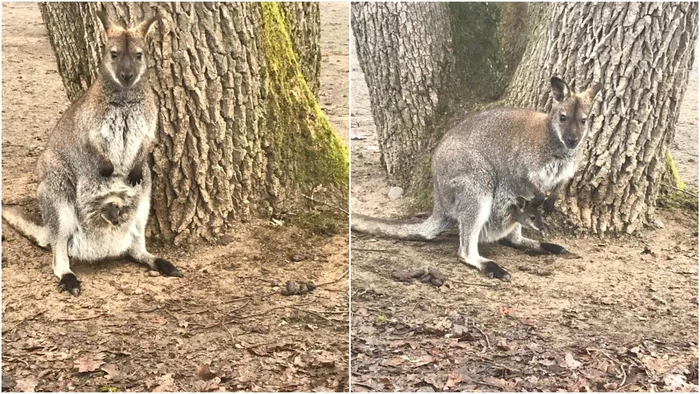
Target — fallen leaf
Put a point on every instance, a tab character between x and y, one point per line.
26	385
87	364
495	382
424	360
111	370
393	362
204	373
503	311
570	362
674	382
165	383
452	380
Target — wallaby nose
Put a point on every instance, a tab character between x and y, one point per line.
127	77
115	221
571	141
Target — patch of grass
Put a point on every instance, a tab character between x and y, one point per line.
326	223
109	389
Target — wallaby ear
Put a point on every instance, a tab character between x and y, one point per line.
537	201
593	90
104	20
147	26
521	202
560	89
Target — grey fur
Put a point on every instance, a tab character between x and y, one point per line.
485	162
112	125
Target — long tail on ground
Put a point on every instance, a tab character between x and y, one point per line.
400	229
16	218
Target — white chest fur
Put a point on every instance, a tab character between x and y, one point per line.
554	172
124	130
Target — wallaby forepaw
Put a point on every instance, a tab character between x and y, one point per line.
548	206
135	177
70	284
554	248
167	268
493	270
107	169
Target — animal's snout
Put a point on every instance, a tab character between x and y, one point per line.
114	221
127	77
572	141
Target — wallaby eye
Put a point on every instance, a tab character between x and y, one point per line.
583	121
562	118
114	54
533	218
139	55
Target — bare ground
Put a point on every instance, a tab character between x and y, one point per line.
623	316
130	331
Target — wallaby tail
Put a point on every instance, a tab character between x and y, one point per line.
15	216
426	230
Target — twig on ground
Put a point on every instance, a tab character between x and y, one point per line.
223	324
624	377
486	337
81	318
372	250
470	283
250	297
326	204
684	191
267	311
336	280
239	308
312	313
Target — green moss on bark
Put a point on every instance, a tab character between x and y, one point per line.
304	140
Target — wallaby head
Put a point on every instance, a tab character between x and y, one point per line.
113	210
124	57
569	115
527	214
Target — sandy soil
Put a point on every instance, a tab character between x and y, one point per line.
132	331
623	316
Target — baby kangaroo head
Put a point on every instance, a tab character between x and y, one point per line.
528	215
124	57
112	210
569	114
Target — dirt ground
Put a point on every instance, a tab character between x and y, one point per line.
216	329
622	317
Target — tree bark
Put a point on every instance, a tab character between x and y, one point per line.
641	52
240	132
405	50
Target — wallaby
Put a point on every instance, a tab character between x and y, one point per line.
471	173
110	128
116	118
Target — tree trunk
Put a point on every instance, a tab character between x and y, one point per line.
406	54
641	52
240	132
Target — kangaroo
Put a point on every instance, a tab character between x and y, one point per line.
471	173
111	127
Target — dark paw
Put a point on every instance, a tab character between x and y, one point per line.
553	248
135	177
106	169
492	270
167	268
70	284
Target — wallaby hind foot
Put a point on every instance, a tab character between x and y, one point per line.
494	271
167	268
70	283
